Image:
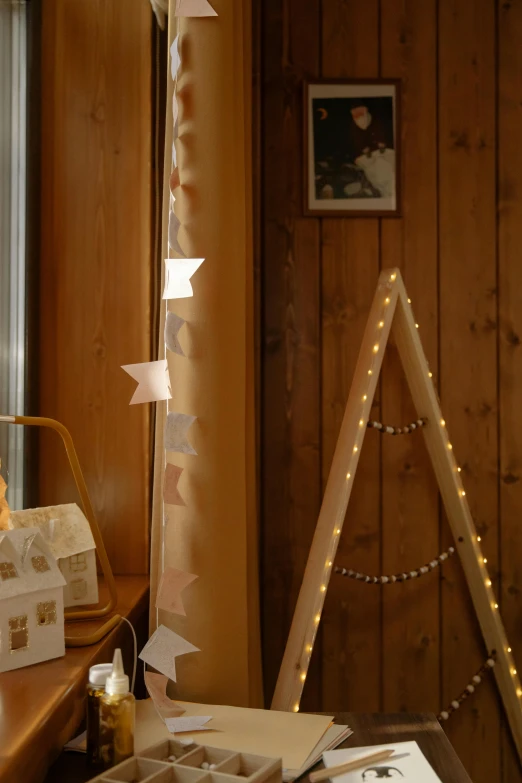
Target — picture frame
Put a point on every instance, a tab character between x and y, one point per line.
352	155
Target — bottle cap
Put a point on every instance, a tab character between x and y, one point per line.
117	681
98	674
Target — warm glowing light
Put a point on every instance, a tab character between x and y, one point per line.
387	300
376	347
329	564
392	277
513	671
296	707
338	531
488	582
442	423
323	588
409	301
462	493
519	691
303	676
355	448
416	326
370	372
365	397
496	606
450	446
459	469
484	560
509	649
380	324
430	375
361	422
479	538
317	618
348	476
308	648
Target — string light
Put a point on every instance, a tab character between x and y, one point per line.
370	372
355	449
458	471
296	707
513	671
303	676
496	606
387	300
509	649
442	423
380	324
348	476
392	277
329	564
462	493
430	375
361	422
484	560
376	347
519	691
317	618
338	531
416	326
488	582
479	538
409	301
323	588
450	446
308	648
365	397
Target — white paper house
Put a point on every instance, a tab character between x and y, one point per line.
68	534
31	600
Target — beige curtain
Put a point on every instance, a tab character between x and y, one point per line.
215	535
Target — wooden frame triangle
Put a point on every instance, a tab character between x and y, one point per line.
391	307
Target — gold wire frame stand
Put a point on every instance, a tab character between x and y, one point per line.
101	611
391	310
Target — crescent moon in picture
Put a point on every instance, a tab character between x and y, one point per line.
324	114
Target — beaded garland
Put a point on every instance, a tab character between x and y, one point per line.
469	689
388	430
392	578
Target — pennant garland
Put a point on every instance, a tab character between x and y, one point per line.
153	385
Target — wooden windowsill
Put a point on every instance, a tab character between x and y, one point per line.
42	706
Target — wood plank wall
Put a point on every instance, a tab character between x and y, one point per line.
458	246
96	260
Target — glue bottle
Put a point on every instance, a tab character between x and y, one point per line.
95	689
117	714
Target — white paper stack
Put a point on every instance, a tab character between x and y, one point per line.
408	764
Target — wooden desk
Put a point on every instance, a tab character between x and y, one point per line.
42	706
380	729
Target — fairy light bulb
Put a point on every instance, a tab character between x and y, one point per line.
317	618
370	372
479	538
488	582
323	588
380	324
392	277
450	446
338	532
303	676
519	691
496	606
430	375
361	422
365	397
348	476
355	449
296	707
462	493
308	648
442	423
484	560
376	347
416	326
513	672
459	470
387	300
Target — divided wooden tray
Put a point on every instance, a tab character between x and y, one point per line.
152	766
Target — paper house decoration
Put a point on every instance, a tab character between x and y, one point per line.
68	535
31	600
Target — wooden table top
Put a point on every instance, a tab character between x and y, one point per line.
41	706
382	728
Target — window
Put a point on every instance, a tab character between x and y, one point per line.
18	633
78	562
8	571
78	589
46	613
40	564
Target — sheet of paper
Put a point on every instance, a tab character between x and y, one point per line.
153	381
176	427
163	648
194	8
173	324
177	277
291	736
172	583
411	766
171	494
175	59
156	685
330	740
180	725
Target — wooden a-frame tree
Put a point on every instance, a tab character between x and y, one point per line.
391	310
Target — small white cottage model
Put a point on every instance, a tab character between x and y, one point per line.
31	600
68	534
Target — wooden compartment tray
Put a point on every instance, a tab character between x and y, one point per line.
172	761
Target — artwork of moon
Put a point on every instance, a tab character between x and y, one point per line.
324	113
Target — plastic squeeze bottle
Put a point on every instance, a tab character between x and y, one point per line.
95	689
117	714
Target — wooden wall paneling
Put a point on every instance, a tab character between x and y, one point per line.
351	621
468	345
410	502
95	260
291	474
510	327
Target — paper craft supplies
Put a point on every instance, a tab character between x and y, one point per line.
408	764
287	735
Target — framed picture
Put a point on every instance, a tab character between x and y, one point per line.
352	153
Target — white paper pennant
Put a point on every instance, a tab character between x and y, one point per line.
176	427
173	324
162	650
175	59
194	8
178	274
153	381
174	225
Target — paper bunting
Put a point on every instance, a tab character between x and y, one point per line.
175	112
175	59
173	324
191	723
156	685
171	494
153	381
172	582
162	649
176	428
178	274
174	225
194	8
